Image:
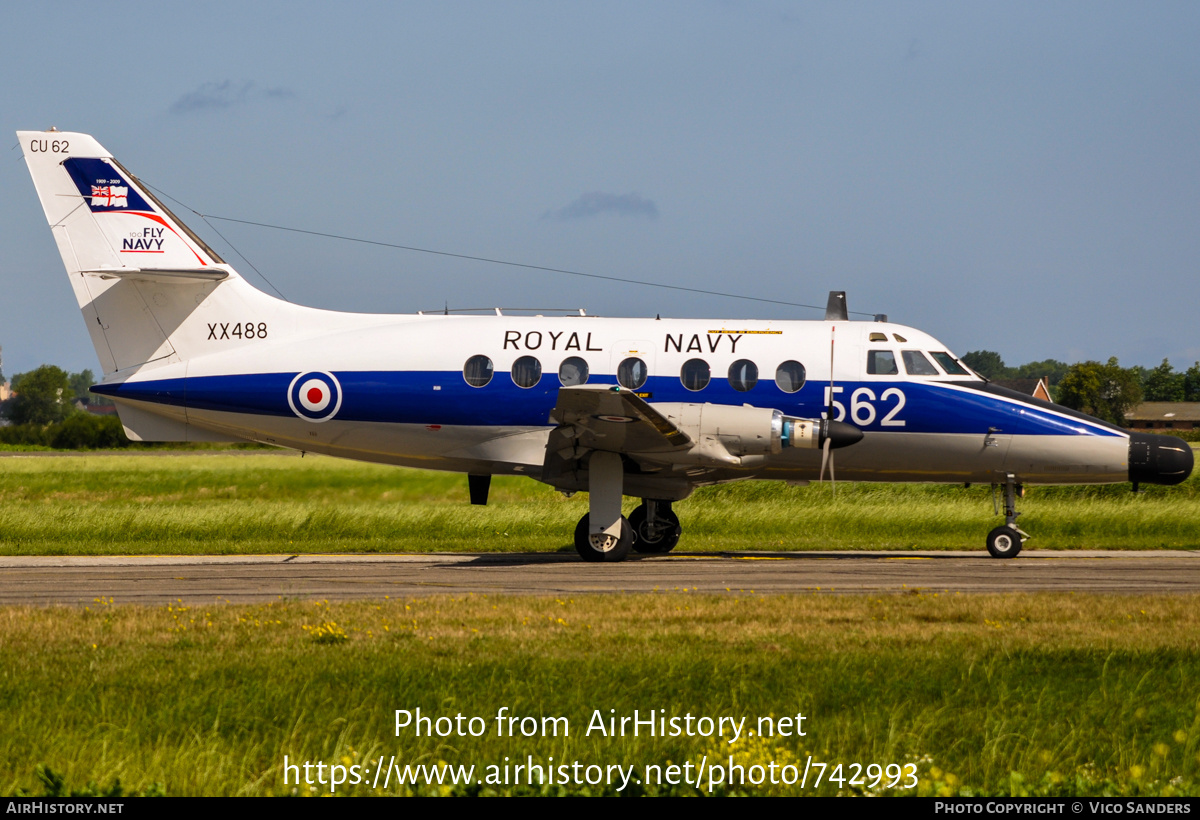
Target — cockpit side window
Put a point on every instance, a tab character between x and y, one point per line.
949	363
917	365
881	363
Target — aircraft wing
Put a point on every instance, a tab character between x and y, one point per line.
612	418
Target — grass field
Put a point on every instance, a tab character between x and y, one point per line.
1006	694
1013	694
279	502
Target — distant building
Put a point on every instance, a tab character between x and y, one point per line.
1038	388
1164	415
96	409
6	392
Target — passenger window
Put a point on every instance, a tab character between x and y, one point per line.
695	374
789	376
478	371
631	373
573	371
743	375
526	371
949	364
917	365
881	363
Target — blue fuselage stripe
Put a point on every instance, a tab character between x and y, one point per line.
429	397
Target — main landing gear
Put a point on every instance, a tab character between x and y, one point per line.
656	527
1006	541
606	535
652	528
605	545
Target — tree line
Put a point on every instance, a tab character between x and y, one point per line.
43	412
1106	391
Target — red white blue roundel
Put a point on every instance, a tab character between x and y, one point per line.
315	396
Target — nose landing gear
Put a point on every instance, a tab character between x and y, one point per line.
1006	541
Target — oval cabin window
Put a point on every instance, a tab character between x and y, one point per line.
526	371
789	376
695	374
632	373
743	375
478	371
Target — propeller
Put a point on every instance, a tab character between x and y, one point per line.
827	447
827	458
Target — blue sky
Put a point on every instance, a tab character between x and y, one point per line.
1015	177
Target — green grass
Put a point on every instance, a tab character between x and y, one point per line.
1004	694
276	502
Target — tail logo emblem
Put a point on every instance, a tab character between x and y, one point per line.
315	396
110	196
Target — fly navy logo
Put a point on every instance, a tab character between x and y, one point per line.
315	396
147	240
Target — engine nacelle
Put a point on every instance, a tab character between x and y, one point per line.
725	434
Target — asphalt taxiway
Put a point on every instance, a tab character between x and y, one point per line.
42	580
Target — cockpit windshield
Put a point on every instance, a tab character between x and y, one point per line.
949	363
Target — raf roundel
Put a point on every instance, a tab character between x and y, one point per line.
315	396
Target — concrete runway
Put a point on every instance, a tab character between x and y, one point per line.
43	580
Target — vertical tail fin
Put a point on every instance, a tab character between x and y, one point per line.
112	219
136	270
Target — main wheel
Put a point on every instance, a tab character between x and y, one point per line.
660	538
1004	542
598	547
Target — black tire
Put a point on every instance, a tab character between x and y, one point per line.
588	552
659	542
1004	542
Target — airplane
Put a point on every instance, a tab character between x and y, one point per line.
649	408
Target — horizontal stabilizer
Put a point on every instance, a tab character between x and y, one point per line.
162	275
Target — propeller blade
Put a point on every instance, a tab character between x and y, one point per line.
827	449
829	403
832	477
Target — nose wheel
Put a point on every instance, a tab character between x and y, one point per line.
1006	541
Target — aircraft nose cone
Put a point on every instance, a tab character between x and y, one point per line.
842	434
1158	459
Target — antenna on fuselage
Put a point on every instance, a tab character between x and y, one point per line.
835	308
